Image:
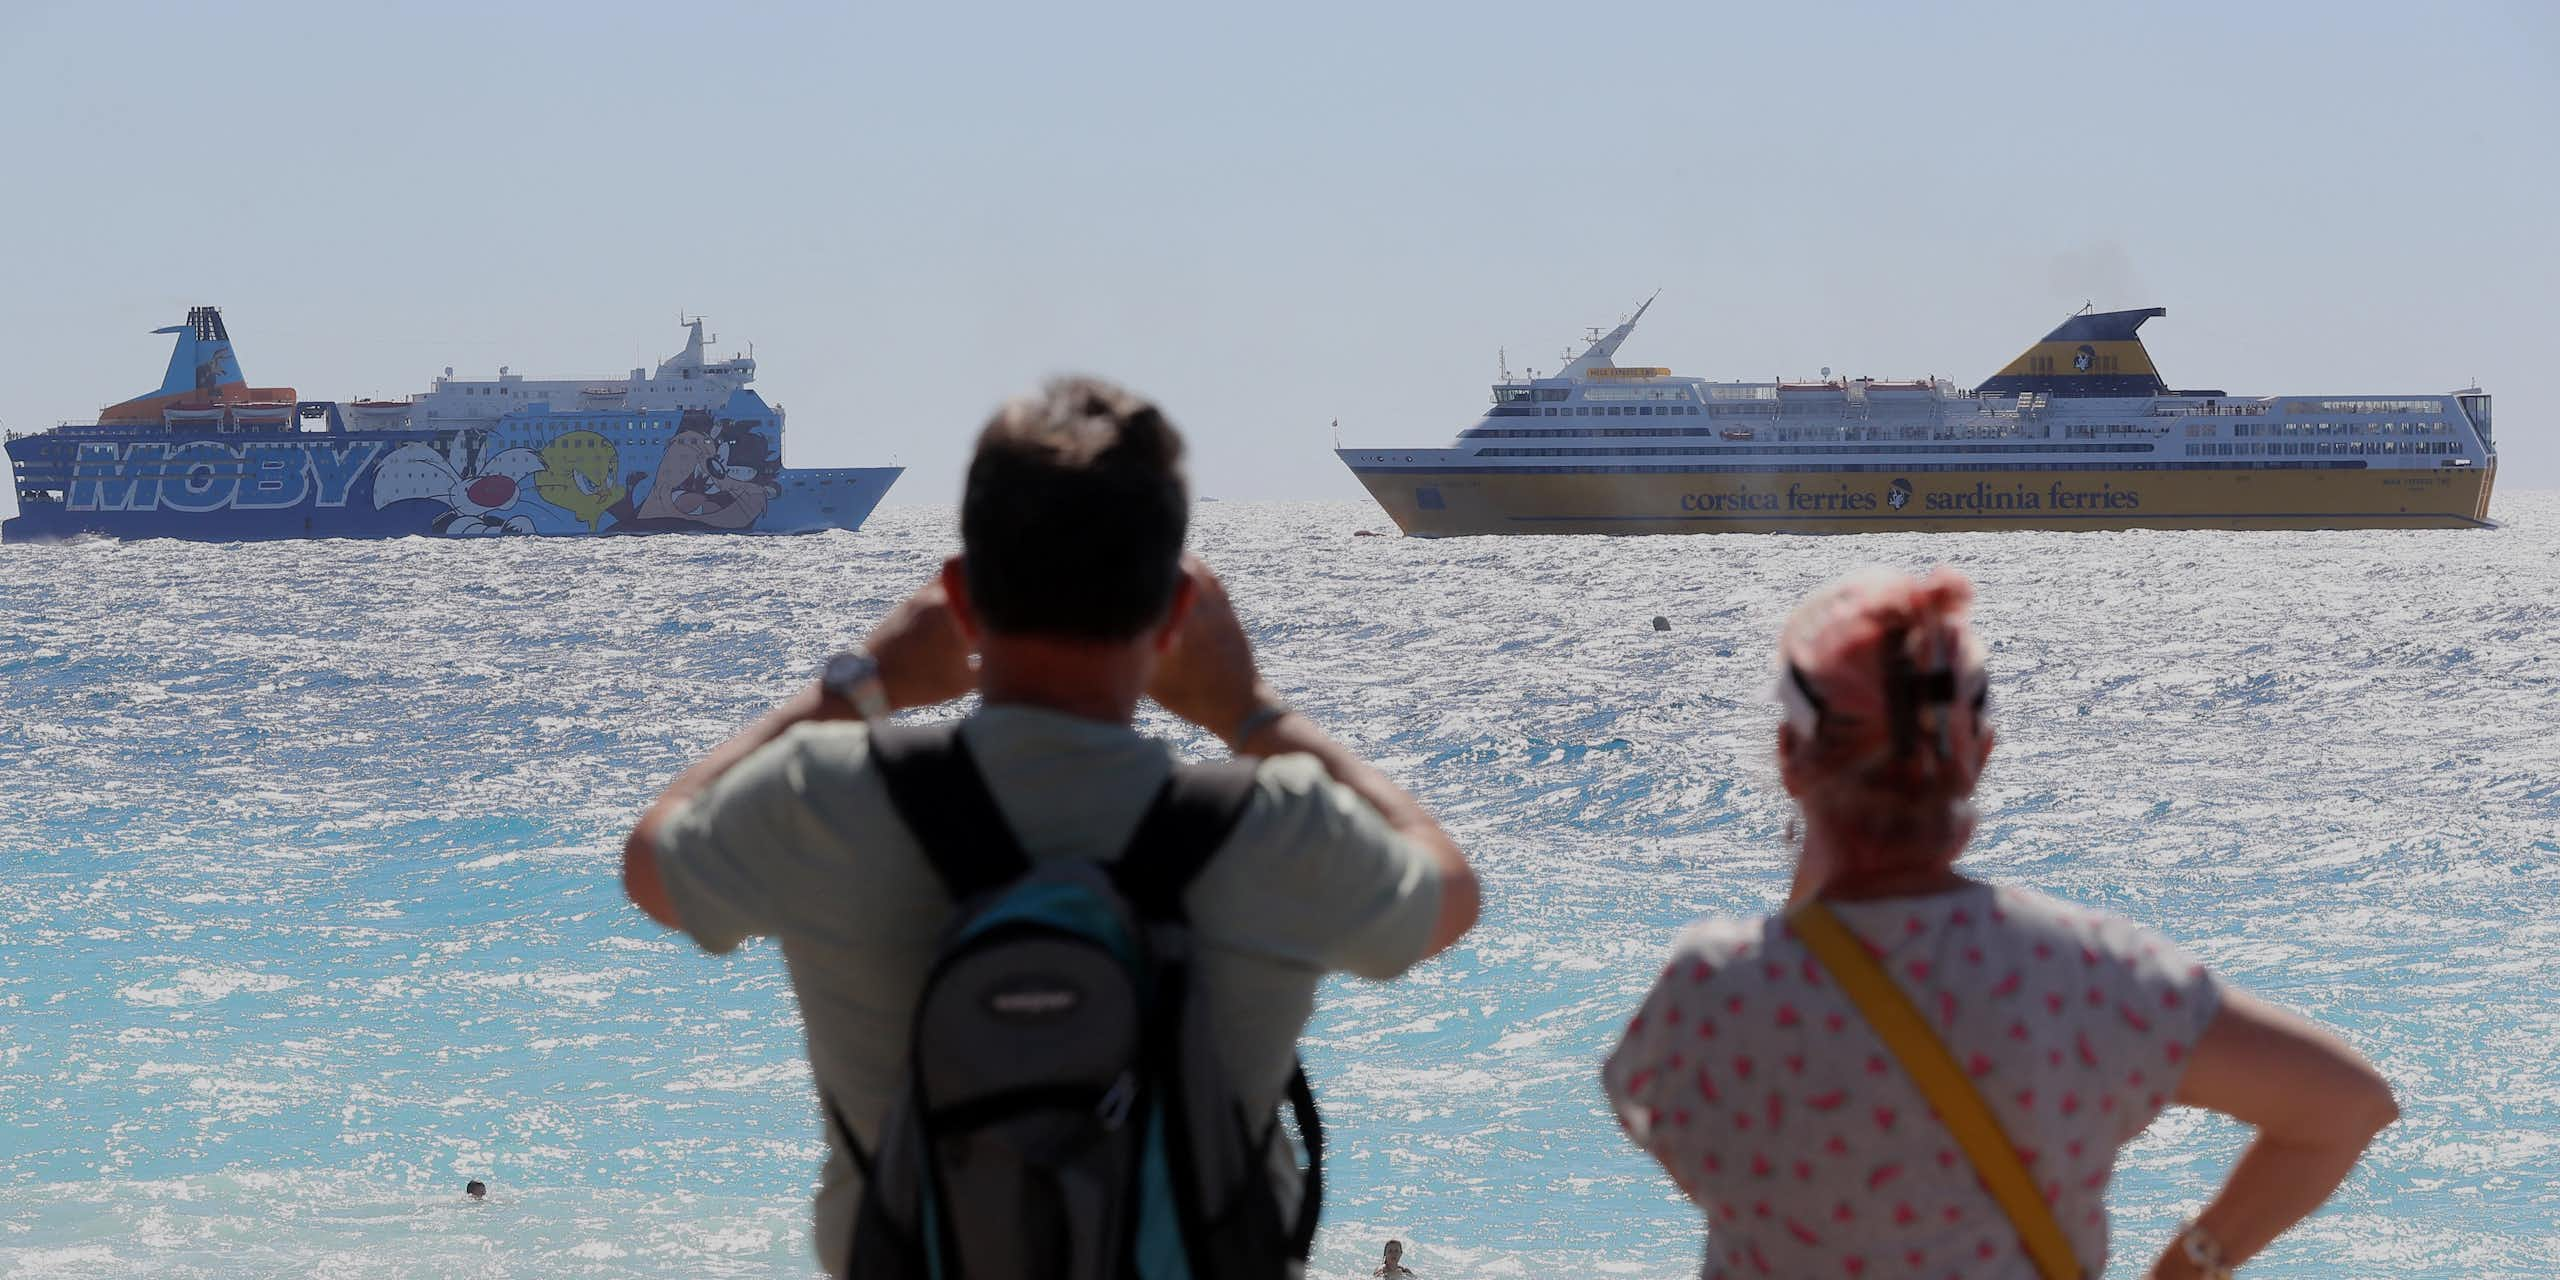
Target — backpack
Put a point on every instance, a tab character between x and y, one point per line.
1065	1114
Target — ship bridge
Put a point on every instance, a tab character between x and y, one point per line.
685	380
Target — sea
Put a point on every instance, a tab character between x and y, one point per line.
309	908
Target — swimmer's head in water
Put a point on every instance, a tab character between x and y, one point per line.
1395	1250
476	1189
1887	716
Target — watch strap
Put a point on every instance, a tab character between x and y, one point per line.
1261	717
854	676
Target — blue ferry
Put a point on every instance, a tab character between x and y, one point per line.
686	449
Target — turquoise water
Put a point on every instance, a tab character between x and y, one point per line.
310	909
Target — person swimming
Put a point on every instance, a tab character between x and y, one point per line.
476	1189
1393	1268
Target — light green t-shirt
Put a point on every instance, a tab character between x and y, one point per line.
799	842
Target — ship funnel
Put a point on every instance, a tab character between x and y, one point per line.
2095	353
201	367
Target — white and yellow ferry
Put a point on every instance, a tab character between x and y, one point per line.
2078	433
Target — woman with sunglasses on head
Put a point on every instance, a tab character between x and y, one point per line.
1912	1072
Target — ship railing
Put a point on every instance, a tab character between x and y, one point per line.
2210	411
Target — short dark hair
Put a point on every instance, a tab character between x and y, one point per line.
1074	515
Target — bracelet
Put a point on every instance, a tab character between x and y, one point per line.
2202	1249
1263	717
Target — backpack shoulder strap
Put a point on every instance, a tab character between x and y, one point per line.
1302	1099
1933	1070
939	794
1190	819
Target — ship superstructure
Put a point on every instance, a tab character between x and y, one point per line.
2078	432
687	449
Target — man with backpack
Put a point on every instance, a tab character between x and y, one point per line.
1052	980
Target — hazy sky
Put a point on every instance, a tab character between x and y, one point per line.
1275	217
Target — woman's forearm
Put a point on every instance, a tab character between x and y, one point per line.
2275	1185
2315	1103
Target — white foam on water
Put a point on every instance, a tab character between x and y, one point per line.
313	909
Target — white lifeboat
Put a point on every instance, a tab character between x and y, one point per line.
262	413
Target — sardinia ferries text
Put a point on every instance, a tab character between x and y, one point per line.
1799	500
204	476
2059	496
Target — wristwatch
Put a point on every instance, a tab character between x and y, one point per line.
1256	720
2200	1248
853	677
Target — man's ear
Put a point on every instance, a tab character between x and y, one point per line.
955	590
1186	593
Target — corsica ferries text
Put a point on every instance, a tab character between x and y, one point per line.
1797	499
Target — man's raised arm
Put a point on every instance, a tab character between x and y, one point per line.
1208	677
924	659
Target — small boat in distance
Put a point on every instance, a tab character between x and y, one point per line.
2079	432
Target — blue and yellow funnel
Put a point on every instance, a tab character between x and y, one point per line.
2095	353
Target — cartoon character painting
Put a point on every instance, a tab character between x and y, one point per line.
477	489
577	476
720	474
713	475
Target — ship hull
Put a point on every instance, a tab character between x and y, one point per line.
810	502
516	480
1472	501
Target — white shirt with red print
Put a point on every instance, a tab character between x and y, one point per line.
1760	1089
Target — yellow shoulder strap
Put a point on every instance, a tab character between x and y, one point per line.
1925	1059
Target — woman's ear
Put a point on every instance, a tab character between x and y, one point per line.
1790	771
